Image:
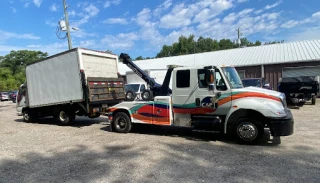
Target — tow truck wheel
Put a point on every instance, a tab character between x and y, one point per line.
147	95
314	98
121	123
248	131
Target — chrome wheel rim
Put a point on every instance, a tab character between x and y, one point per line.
129	95
62	116
26	116
247	131
146	95
121	123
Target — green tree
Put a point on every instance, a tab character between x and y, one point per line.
17	60
12	67
139	58
225	44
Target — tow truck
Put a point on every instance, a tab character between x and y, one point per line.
210	98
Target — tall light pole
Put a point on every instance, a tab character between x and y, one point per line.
67	23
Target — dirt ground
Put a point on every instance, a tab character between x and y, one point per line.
89	152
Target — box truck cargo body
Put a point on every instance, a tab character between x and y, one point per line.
78	81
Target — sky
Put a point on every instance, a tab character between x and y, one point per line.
142	27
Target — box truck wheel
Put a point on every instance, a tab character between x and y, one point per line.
27	117
65	117
121	122
248	130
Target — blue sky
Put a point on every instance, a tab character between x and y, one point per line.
143	27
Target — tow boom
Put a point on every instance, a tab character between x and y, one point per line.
155	87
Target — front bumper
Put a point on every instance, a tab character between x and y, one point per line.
282	126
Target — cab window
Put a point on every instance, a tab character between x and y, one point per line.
142	88
183	79
220	83
201	79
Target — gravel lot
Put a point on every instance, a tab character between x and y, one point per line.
89	152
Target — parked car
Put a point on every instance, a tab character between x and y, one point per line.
13	96
4	96
257	82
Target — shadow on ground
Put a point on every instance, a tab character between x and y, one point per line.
189	134
79	122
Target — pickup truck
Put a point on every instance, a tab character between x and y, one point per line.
299	89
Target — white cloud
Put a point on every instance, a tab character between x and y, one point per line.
120	41
258	11
113	2
14	10
245	12
290	24
308	33
8	35
37	2
116	21
143	17
178	17
81	33
183	15
51	23
72	13
87	43
164	6
273	5
242	1
90	11
53	7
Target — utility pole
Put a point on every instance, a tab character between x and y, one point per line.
67	23
238	31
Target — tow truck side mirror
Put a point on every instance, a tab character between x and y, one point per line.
210	73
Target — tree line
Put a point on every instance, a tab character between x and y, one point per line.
187	45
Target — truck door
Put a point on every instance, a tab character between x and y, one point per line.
204	98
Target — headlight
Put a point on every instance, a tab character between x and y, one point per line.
283	100
280	112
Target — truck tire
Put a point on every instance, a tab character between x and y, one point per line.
147	95
130	95
248	131
27	117
314	99
121	123
65	117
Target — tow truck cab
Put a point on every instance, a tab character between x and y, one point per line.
210	98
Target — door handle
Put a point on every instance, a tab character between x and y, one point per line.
197	101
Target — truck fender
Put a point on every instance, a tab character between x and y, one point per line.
241	107
120	109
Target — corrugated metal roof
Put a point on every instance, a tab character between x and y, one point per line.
299	51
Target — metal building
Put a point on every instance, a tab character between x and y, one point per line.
301	58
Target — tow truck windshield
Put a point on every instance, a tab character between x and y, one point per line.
233	77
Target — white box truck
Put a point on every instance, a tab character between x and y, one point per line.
75	82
